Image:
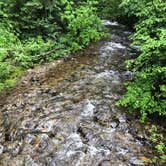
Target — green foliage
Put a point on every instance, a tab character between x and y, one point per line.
157	140
26	54
39	17
83	25
17	55
8	75
7	70
3	12
147	92
109	8
36	31
36	17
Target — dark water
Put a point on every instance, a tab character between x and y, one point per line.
64	114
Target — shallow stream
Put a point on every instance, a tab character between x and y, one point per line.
64	113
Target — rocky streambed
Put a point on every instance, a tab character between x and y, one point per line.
64	113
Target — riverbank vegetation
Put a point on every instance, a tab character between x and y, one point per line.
37	31
147	92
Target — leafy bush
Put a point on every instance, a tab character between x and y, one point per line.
83	25
7	39
109	8
16	55
35	31
36	17
147	93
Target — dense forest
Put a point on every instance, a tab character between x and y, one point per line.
33	32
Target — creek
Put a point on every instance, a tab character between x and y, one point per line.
64	114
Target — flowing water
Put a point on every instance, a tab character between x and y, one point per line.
64	113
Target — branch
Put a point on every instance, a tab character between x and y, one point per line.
43	55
